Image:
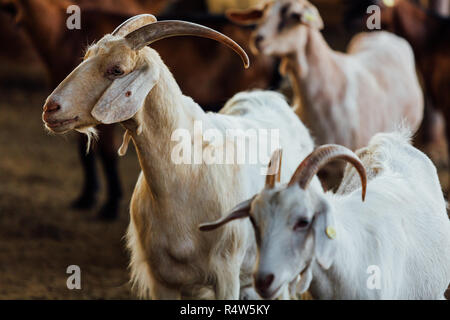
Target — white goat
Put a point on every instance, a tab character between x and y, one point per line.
342	98
331	241
123	81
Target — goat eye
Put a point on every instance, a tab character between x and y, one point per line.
290	21
301	224
115	71
296	17
284	10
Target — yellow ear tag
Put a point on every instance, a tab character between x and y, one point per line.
309	16
389	3
331	232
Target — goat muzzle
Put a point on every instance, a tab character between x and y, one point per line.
263	283
51	106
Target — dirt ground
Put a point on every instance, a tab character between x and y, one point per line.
39	235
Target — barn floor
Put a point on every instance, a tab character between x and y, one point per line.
39	235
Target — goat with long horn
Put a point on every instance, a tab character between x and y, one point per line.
122	80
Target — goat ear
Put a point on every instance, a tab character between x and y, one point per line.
125	96
324	235
241	211
311	17
247	16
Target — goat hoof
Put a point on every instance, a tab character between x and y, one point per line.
109	211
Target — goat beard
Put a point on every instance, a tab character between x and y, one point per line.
91	134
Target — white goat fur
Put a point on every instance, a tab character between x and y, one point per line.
402	228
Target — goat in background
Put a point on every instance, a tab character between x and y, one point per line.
428	32
343	98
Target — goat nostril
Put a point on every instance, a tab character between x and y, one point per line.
269	279
51	106
264	282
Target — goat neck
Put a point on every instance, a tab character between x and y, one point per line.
151	130
314	72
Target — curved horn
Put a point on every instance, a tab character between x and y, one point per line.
320	157
273	177
133	23
171	28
